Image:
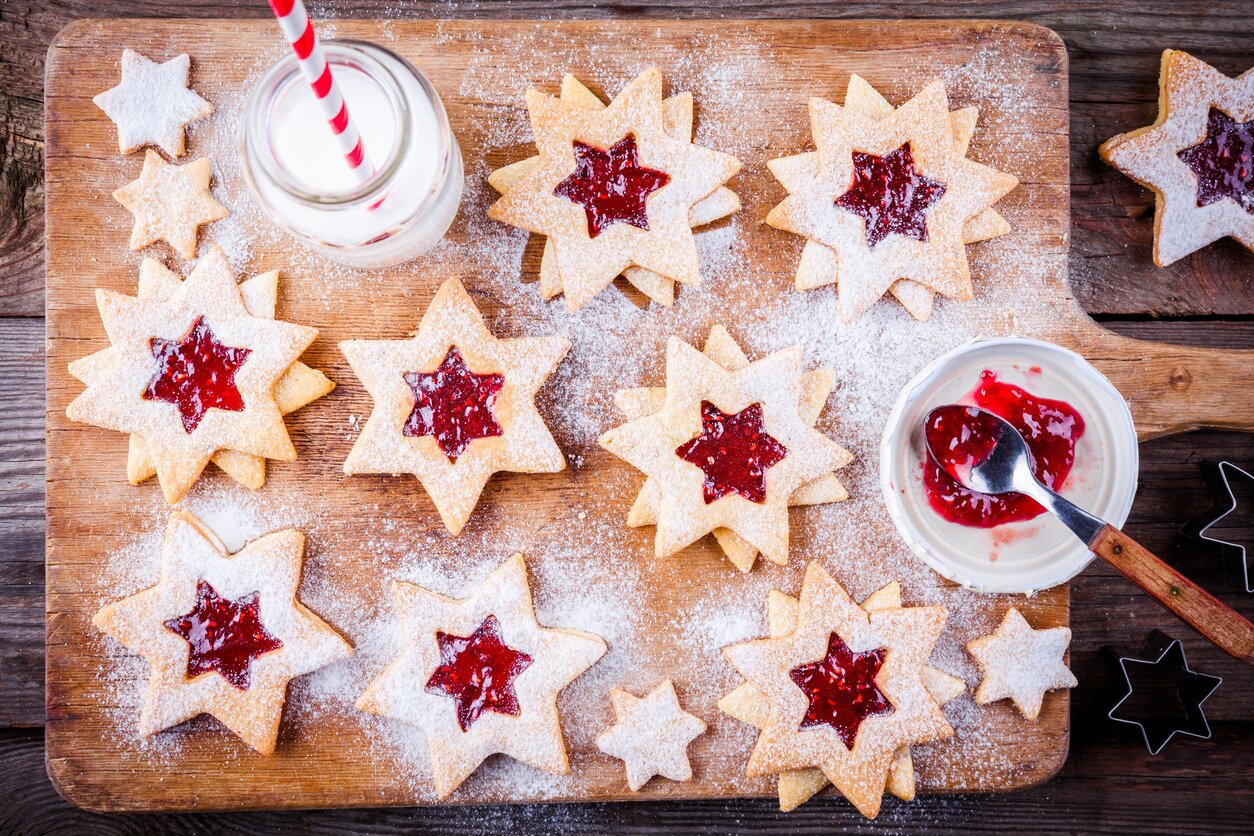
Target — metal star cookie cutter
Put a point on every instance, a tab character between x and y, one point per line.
1164	696
1219	482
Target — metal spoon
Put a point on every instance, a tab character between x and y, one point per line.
1004	464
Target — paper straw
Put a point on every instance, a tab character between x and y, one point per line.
294	21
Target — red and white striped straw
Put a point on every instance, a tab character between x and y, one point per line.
294	21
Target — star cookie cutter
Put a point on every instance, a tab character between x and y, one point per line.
1164	695
1223	502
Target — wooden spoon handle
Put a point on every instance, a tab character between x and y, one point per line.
1219	623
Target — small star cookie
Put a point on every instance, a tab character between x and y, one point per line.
171	203
454	404
651	735
1197	158
727	450
224	633
153	104
750	706
480	676
889	195
1021	664
640	145
722	348
846	690
192	371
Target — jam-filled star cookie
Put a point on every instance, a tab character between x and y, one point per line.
728	446
846	690
748	704
1198	157
480	676
650	735
1021	664
224	633
889	195
195	369
615	187
170	203
721	347
152	105
454	404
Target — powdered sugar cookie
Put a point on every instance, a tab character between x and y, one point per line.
454	404
1198	157
1021	664
480	676
170	203
651	735
223	633
191	371
644	220
153	105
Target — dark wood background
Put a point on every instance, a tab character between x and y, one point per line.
1109	783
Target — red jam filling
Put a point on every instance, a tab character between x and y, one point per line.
733	451
453	404
478	672
224	635
841	689
1050	428
196	373
1223	161
611	186
890	195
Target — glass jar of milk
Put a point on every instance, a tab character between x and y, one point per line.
303	183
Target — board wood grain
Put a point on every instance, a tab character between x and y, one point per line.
330	762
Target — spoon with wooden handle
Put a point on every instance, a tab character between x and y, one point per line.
994	459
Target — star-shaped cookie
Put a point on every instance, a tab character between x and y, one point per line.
1197	158
223	633
846	689
299	386
184	404
421	387
153	105
727	450
722	348
170	202
1021	664
645	219
651	735
747	704
890	195
480	676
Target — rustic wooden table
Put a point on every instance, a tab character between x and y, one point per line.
1108	784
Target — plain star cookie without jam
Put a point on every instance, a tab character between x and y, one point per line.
192	370
170	202
480	676
748	705
1021	664
650	735
454	404
890	196
153	105
1197	157
223	633
846	690
615	187
728	446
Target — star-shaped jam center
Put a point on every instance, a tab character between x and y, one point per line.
733	451
611	185
453	404
196	373
1223	161
478	672
224	635
890	195
841	689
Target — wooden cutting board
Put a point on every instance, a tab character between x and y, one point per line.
751	81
